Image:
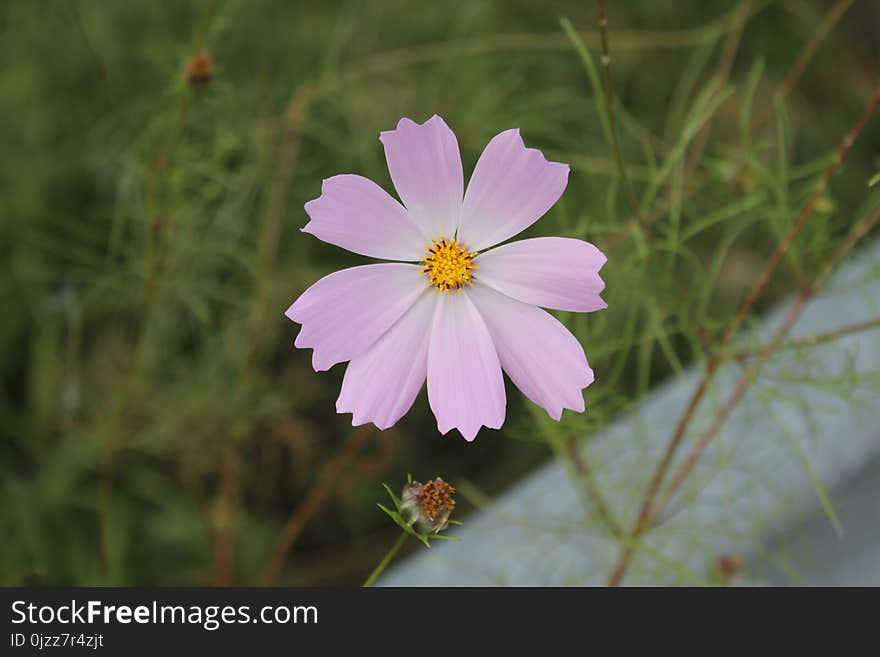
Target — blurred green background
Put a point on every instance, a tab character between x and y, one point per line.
157	425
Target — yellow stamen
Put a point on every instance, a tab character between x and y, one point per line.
448	265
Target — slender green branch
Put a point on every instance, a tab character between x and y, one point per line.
389	556
609	108
585	473
817	338
648	512
722	74
803	59
806	295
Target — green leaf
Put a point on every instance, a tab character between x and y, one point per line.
405	526
394	498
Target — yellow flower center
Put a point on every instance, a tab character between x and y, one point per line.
448	265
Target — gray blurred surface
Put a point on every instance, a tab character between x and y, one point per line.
811	553
811	417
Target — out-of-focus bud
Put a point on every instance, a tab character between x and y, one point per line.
727	567
729	564
199	70
427	506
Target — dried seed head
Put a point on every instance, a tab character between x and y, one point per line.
428	506
199	70
728	565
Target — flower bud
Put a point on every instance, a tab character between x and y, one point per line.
199	70
427	506
728	565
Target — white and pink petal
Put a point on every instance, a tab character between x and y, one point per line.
381	384
542	358
357	214
345	313
552	272
425	166
465	384
511	188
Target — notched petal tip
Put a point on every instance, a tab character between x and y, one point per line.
534	152
556	411
402	123
556	408
559	412
405	123
302	341
318	364
359	419
574	403
468	433
325	184
600	256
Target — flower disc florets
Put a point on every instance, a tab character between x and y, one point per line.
448	265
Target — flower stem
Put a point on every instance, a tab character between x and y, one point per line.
386	559
609	110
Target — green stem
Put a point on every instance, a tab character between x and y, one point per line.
386	559
609	105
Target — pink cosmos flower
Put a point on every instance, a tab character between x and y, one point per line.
460	316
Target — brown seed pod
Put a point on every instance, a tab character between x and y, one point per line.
199	70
